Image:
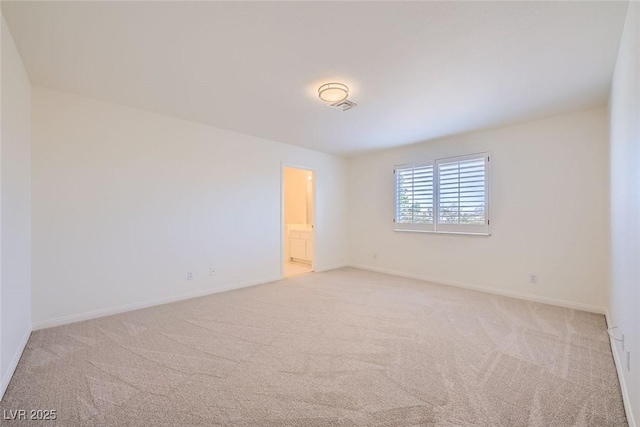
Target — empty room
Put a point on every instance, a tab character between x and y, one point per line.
320	213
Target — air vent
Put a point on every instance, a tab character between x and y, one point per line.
342	105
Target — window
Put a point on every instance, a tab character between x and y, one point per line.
446	195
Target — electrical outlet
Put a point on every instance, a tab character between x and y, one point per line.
533	278
212	271
189	275
628	360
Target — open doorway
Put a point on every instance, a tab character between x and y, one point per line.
299	211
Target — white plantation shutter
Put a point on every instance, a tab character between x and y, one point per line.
415	197
462	194
448	195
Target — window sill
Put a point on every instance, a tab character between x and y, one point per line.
455	233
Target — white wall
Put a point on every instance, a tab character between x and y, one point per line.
549	214
624	306
15	187
126	202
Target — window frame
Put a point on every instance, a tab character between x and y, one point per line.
436	228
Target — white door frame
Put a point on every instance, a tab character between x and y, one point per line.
314	179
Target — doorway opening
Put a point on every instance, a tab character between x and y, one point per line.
299	217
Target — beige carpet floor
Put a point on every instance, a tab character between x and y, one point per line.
341	348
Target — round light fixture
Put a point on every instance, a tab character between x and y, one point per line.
333	92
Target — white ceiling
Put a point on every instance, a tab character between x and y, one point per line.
417	70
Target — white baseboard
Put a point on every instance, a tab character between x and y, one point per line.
623	385
14	363
330	267
145	304
487	289
64	320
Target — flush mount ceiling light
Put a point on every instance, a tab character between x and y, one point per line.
333	93
335	96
